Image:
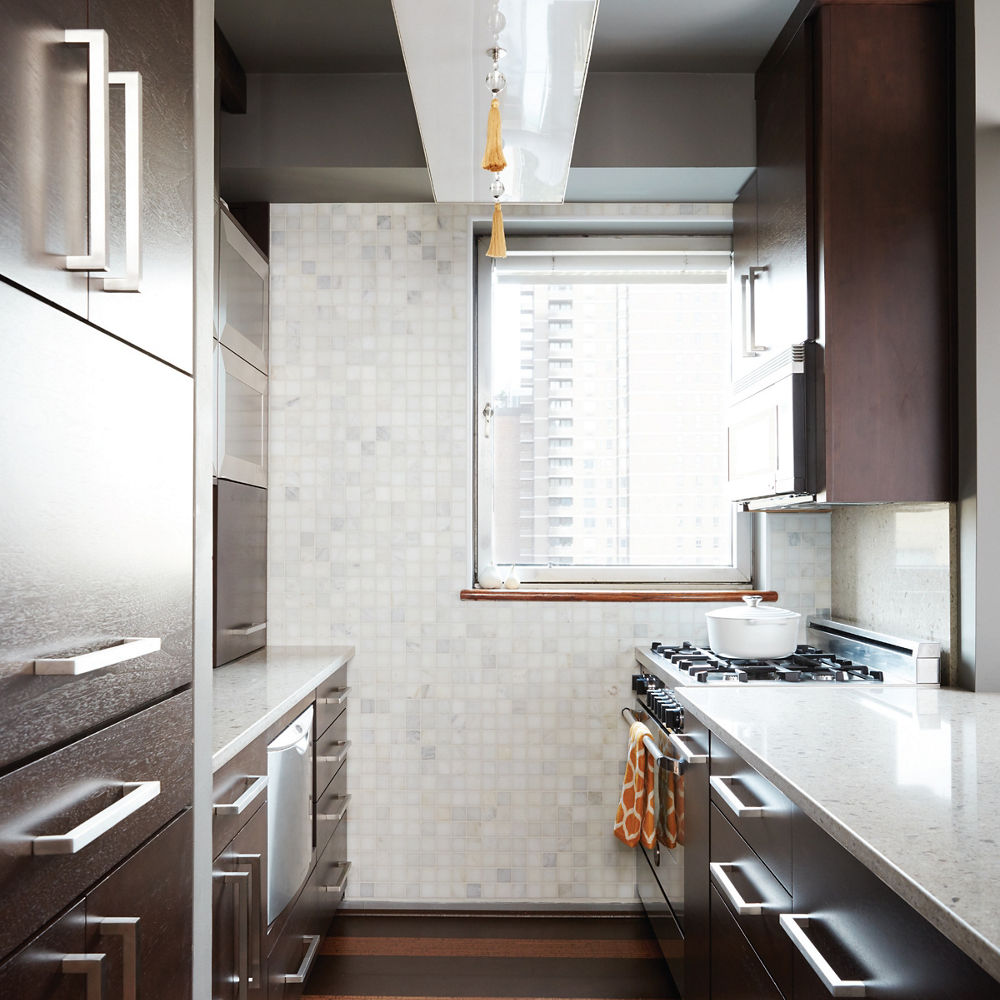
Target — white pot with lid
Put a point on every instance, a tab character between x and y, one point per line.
749	631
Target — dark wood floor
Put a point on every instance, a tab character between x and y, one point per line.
440	957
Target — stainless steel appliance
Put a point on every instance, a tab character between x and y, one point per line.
240	570
241	419
289	812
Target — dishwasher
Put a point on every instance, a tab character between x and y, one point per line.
289	812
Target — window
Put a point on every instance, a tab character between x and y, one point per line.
649	366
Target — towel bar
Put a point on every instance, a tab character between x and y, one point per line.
661	759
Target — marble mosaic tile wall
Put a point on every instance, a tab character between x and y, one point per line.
488	744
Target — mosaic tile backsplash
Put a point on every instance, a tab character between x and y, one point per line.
488	745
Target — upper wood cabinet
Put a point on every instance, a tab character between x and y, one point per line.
845	238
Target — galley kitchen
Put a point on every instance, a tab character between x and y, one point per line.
498	499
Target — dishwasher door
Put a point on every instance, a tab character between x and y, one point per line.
289	812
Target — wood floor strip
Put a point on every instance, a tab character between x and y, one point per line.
490	947
475	926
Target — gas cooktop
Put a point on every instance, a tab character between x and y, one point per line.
836	653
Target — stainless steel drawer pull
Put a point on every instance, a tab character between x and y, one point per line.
120	652
739	809
247	629
337	816
239	880
90	965
341	883
337	758
127	928
132	82
98	148
107	819
723	881
753	274
338	697
692	757
792	924
238	807
253	861
307	961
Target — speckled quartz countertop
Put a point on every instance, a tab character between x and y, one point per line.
256	690
907	779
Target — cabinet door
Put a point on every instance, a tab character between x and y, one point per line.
781	309
155	40
140	917
737	972
95	527
43	149
37	971
868	934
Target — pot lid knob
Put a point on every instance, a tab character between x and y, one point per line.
752	600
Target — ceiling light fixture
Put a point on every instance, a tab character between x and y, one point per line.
493	158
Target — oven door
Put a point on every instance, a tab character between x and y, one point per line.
654	901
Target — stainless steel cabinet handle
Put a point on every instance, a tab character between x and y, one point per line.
90	965
247	629
107	819
339	698
254	917
338	816
753	272
739	809
132	82
238	807
98	155
121	652
127	928
744	326
341	882
239	880
792	924
691	757
723	881
340	757
307	961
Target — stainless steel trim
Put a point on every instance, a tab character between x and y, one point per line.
339	758
739	809
127	928
132	82
255	919
247	630
90	965
341	883
918	648
692	757
121	652
339	700
337	816
792	924
661	759
743	908
104	821
98	148
753	273
238	807
307	961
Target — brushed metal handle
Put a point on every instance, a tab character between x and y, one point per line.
120	652
692	757
738	808
341	883
724	882
132	82
127	928
101	823
242	929
747	353
247	629
254	918
341	697
792	924
335	817
98	148
238	807
90	965
340	757
753	273
303	971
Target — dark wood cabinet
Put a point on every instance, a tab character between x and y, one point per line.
737	972
37	971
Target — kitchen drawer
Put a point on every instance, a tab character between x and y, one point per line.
36	971
737	972
237	793
331	807
95	527
754	883
328	882
331	699
331	752
59	792
761	814
153	889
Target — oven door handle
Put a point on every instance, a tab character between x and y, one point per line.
692	757
675	765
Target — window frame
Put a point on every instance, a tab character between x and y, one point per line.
739	573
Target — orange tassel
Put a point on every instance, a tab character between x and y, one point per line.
498	243
493	158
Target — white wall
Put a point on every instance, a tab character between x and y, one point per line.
487	739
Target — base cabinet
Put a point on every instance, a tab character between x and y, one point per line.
37	972
737	972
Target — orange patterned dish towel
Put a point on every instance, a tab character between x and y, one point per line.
636	816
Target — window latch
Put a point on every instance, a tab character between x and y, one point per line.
487	419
